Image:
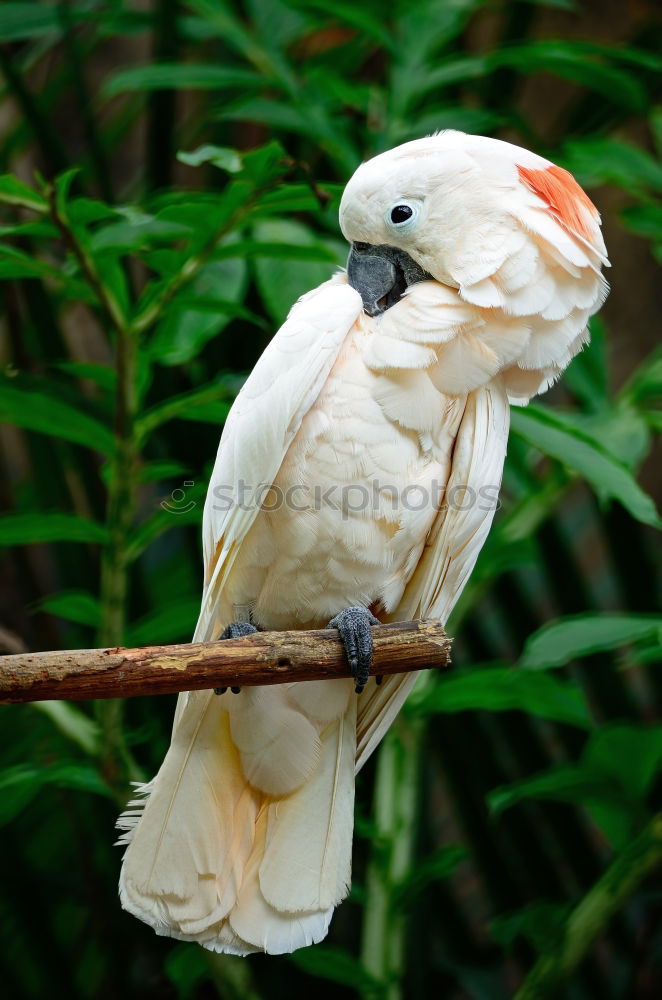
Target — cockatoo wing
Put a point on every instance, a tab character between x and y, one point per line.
261	426
451	549
197	865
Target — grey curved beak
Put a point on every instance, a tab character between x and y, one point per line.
381	275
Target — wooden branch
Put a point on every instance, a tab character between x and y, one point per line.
261	658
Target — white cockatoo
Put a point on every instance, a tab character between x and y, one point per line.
355	481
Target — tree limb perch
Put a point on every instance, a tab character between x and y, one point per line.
261	658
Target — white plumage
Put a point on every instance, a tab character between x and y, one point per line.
243	840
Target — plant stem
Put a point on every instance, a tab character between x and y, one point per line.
590	917
118	763
383	947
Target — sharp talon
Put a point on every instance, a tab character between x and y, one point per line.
355	629
220	690
235	690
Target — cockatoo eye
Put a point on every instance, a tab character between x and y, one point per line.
401	213
402	216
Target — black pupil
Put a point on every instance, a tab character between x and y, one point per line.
401	213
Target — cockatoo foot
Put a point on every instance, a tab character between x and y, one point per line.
235	631
354	626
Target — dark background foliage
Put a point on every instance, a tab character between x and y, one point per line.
138	289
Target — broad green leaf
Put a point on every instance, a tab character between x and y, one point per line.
16	264
187	968
72	723
646	383
102	375
502	689
219	156
566	639
36	411
425	871
21	783
281	281
22	21
75	605
129	237
156	472
174	623
188	406
13	191
185	329
630	754
33	529
565	783
644	220
574	63
598	161
358	16
180	76
615	773
556	436
340	967
180	508
539	923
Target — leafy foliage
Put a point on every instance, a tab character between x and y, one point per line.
169	184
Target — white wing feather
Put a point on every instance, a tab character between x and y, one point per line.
451	550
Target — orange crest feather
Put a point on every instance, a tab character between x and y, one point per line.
561	192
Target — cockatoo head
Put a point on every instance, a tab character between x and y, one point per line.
457	208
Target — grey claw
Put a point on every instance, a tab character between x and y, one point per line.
354	625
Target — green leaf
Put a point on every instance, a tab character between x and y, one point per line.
13	191
575	636
644	220
187	968
566	783
555	435
369	24
597	161
102	375
20	21
179	76
280	282
502	689
157	472
16	264
211	399
20	784
340	967
174	623
219	156
72	723
186	328
36	411
616	771
632	755
74	605
33	529
540	923
573	62
426	871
